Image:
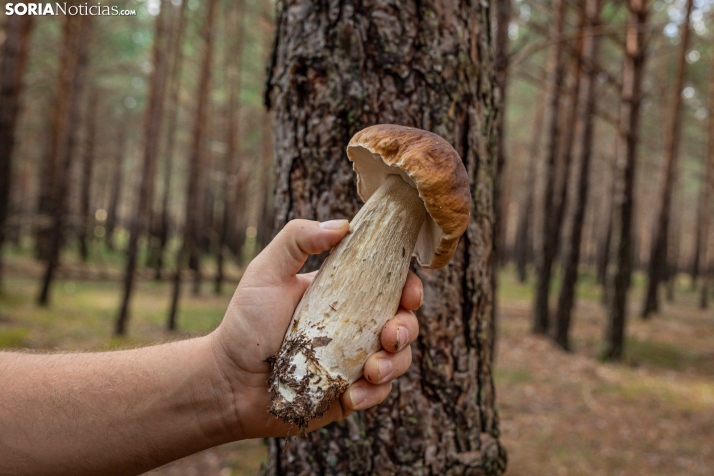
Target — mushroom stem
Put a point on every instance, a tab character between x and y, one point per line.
338	322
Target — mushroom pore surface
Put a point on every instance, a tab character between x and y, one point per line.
338	322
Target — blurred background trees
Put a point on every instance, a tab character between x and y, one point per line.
137	151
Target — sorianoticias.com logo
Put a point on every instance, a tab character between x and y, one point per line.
53	9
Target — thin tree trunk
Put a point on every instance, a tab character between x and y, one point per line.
13	59
117	183
148	170
572	260
267	214
657	269
192	237
706	195
546	255
524	232
86	216
78	31
330	78
57	132
620	267
234	75
173	102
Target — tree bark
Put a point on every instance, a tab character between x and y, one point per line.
148	169
192	231
620	267
234	75
706	194
13	60
587	101
77	37
548	250
86	216
657	268
426	64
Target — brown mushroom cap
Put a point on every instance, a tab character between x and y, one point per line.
433	167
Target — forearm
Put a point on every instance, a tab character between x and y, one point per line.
118	412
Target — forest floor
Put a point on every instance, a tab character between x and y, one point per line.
561	413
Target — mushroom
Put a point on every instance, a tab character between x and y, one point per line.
417	202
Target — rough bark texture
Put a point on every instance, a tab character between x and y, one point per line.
13	58
339	67
620	266
192	231
77	37
548	250
657	268
586	113
148	168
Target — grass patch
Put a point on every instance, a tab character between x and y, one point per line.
657	354
13	337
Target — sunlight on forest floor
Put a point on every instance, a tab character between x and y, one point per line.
560	413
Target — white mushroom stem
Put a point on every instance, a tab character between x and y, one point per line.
338	322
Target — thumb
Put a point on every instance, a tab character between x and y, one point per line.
288	251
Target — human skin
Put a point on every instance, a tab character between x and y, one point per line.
129	411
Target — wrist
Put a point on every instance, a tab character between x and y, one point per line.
215	397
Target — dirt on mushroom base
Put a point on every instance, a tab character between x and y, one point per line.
301	410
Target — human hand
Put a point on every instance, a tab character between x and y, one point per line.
258	317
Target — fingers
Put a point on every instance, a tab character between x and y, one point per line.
413	293
288	251
400	331
362	395
384	367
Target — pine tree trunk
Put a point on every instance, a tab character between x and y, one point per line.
152	130
234	75
13	59
620	266
78	32
173	103
87	218
572	260
524	248
548	250
55	138
335	71
117	183
706	194
657	268
192	230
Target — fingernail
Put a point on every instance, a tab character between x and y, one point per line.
333	224
402	337
384	369
358	395
421	297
